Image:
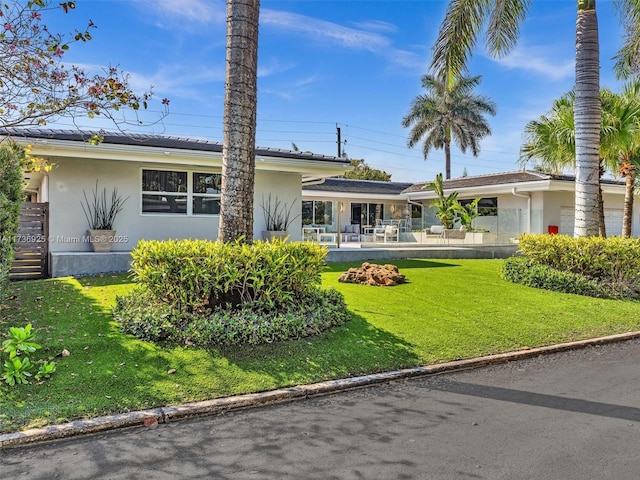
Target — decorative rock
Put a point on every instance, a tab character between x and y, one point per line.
373	274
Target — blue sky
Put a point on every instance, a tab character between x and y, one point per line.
353	64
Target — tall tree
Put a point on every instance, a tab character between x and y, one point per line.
550	140
587	115
449	110
37	86
239	132
463	22
624	148
362	171
628	58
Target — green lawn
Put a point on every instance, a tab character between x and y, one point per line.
448	310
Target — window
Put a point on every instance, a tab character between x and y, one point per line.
366	213
206	193
487	206
182	193
316	212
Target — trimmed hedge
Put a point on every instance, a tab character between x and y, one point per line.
11	185
140	316
614	258
195	275
592	266
214	293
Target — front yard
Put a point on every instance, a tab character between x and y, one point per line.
448	310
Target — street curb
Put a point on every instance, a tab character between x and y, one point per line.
210	407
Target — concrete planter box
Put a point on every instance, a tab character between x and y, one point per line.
101	240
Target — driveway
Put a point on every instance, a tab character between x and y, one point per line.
571	415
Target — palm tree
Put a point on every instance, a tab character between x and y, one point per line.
551	141
459	32
449	110
239	133
624	149
446	205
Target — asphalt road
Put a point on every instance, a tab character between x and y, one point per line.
571	415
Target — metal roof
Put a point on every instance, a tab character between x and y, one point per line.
160	141
346	185
504	178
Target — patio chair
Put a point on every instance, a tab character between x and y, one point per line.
350	233
388	233
437	231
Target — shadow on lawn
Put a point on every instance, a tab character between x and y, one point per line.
355	348
109	372
67	316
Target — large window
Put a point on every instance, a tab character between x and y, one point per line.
487	206
366	213
180	192
316	212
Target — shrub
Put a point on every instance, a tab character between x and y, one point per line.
213	293
196	275
317	312
11	184
522	270
615	258
17	368
593	266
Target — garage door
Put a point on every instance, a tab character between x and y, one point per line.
612	221
567	219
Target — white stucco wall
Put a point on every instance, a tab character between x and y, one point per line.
287	187
68	225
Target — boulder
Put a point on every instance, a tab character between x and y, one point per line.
373	274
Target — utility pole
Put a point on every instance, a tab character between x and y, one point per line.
339	141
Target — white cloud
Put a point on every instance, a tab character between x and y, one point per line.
323	30
537	60
199	11
366	37
377	25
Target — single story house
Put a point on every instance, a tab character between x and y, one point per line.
172	187
528	201
511	203
334	201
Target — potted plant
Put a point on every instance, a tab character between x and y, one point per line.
447	206
101	214
277	218
450	211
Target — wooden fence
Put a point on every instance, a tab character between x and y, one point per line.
31	250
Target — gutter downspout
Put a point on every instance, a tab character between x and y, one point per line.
528	197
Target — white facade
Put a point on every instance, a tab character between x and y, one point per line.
77	166
72	177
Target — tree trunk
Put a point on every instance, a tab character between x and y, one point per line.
447	159
239	132
629	183
602	224
587	117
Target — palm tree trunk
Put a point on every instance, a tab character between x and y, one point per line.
587	115
602	225
239	133
629	182
447	159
